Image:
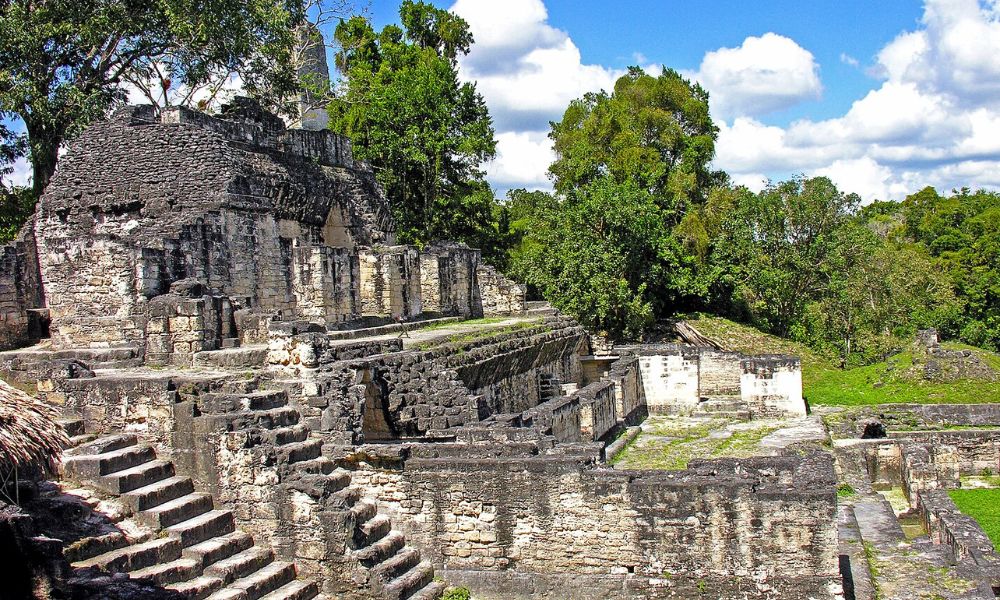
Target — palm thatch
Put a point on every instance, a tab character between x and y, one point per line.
29	434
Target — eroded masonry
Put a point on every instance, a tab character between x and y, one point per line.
283	403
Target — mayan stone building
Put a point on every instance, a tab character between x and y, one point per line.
217	306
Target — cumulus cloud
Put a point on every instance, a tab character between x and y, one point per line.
522	161
763	75
20	174
528	72
933	120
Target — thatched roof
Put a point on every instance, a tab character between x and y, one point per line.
28	431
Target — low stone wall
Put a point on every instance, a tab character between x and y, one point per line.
630	397
499	295
977	450
677	378
669	377
598	410
946	525
515	526
561	418
771	386
20	289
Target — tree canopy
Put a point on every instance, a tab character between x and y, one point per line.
654	132
424	132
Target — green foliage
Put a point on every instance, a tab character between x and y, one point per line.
457	593
63	63
628	166
885	382
984	507
16	206
605	257
845	490
801	261
423	131
652	132
963	232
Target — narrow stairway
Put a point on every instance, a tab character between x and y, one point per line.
191	547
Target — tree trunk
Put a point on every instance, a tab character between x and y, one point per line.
44	155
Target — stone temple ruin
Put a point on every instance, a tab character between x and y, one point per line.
269	398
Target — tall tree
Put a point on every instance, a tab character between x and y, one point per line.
425	133
64	62
774	245
655	132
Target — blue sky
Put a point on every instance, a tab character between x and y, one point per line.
884	97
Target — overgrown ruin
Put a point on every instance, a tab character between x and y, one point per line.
281	402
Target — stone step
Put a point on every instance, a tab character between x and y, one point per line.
240	565
219	548
297	452
105	444
135	478
349	495
295	590
364	510
78	440
239	357
431	591
174	571
137	556
258	584
382	549
259	400
409	582
397	564
198	529
73	426
157	493
321	465
197	588
90	547
274	418
372	530
287	435
176	511
90	466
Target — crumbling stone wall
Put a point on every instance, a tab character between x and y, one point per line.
448	280
500	296
421	390
772	386
20	290
486	521
677	378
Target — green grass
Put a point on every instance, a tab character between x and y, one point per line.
669	445
824	383
470	322
476	335
984	507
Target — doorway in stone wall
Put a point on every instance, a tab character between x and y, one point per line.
376	424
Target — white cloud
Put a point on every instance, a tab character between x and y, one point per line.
523	159
764	74
528	72
20	174
847	59
934	119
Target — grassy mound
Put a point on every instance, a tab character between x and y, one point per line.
897	380
984	507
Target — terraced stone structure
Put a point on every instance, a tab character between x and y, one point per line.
285	404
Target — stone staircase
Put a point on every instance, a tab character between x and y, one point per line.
190	547
396	569
196	549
